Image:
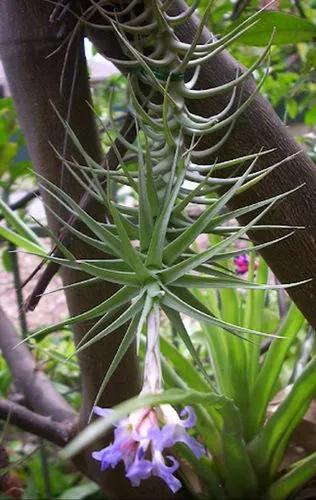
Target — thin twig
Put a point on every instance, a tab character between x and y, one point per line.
58	433
23	201
300	8
111	162
24	330
239	7
38	391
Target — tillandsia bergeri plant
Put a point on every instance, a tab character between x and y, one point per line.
233	450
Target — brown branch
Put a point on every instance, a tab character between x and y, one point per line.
238	9
257	128
42	283
58	433
260	128
38	391
111	161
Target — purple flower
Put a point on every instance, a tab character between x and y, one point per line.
139	469
140	440
164	471
123	448
175	431
241	263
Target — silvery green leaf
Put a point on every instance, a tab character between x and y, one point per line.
171	300
179	327
99	230
128	251
118	299
176	247
171	274
129	313
128	338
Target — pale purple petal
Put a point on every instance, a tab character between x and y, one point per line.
122	432
163	438
165	472
102	412
140	469
197	448
122	448
109	456
190	419
97	455
171	434
140	436
126	444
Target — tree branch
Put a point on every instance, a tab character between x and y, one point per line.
257	128
58	433
239	7
39	393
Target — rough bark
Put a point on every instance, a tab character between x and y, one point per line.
293	259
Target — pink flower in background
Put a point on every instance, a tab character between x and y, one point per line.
241	263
